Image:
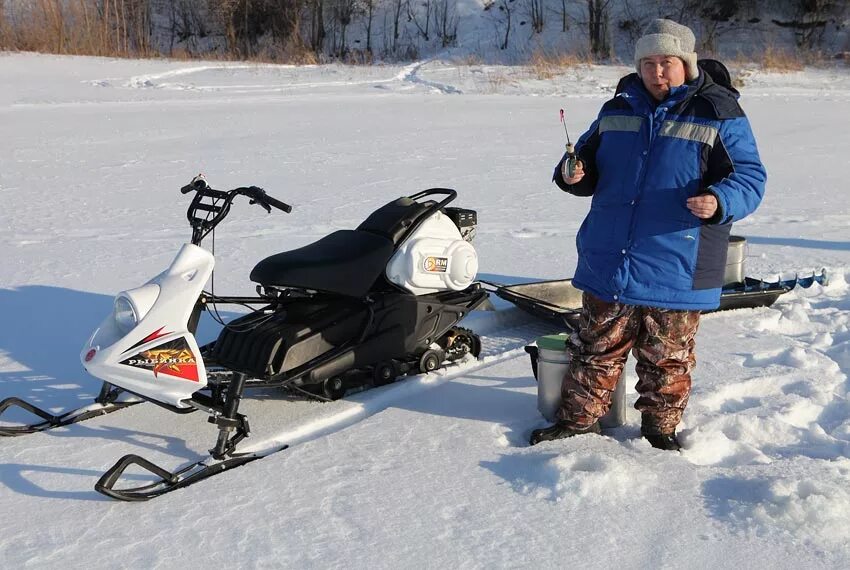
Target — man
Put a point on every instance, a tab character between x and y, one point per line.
670	162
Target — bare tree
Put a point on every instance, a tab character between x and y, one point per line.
564	20
635	18
4	40
397	6
598	27
54	18
246	22
187	25
809	19
316	10
711	18
369	12
139	18
536	14
445	21
342	13
173	27
398	35
422	20
504	13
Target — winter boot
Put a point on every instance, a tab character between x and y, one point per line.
560	431
665	441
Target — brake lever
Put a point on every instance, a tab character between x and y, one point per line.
262	203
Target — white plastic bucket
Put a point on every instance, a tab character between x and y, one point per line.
553	361
734	272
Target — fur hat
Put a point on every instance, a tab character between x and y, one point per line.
666	37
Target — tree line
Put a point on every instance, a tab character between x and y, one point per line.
390	30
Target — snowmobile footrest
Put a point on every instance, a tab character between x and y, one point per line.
167	481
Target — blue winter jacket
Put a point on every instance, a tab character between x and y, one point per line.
639	244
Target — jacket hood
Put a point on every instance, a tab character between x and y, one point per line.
711	72
713	84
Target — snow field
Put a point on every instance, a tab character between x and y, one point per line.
435	471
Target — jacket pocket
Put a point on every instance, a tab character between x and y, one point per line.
597	230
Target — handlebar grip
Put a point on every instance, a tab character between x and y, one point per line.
278	204
197	183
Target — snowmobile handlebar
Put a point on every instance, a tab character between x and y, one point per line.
256	194
209	206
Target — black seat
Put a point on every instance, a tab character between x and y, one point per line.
346	262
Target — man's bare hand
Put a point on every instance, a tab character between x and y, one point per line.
703	206
578	173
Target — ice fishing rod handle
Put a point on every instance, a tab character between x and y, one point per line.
572	159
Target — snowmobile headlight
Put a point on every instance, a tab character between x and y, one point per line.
133	305
124	314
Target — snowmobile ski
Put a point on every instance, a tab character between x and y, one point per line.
104	404
168	481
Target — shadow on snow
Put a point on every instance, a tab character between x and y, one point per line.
44	330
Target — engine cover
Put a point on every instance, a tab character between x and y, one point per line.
434	258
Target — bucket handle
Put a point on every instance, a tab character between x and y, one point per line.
534	353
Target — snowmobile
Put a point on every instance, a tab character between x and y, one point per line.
355	309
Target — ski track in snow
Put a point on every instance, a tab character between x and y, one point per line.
595	81
154	80
409	74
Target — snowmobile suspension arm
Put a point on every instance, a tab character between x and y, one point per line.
230	420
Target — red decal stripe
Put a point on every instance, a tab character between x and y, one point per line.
153	336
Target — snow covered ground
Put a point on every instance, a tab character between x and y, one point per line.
434	471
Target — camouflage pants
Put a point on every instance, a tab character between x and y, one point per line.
662	340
